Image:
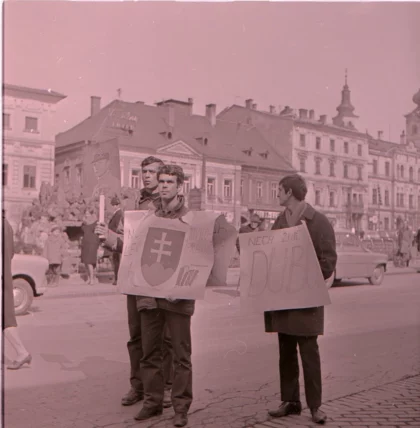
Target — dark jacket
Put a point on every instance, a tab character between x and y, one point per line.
115	220
308	321
244	229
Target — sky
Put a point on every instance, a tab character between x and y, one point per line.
224	53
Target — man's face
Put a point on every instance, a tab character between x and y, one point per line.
100	167
168	187
283	196
149	175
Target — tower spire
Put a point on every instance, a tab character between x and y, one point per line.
345	78
345	117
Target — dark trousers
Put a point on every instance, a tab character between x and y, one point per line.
116	257
134	345
289	369
153	323
53	273
167	359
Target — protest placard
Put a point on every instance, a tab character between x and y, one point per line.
280	270
169	258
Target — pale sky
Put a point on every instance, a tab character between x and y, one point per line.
282	54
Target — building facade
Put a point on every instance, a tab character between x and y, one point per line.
28	141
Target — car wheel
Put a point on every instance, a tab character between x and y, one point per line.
377	276
23	295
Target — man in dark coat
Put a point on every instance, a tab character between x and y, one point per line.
252	226
113	225
301	326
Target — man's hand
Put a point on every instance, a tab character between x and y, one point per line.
101	230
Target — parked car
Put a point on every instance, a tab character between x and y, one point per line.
29	280
355	260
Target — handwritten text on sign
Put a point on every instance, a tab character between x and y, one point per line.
280	270
170	258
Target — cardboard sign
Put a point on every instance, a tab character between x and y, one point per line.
170	258
280	270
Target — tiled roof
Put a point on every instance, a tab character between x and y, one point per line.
49	92
226	142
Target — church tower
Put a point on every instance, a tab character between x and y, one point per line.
412	122
345	117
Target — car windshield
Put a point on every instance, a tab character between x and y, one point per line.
348	241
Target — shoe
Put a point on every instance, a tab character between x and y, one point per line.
114	282
147	413
287	408
180	419
17	364
318	416
132	397
167	400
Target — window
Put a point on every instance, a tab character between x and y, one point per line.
211	184
242	187
374	196
359	150
387	169
187	185
302	140
31	124
386	223
418	202
135	178
274	190
227	189
359	173
317	166
346	171
79	173
259	189
317	197
66	174
6	121
418	176
410	201
332	169
360	200
375	167
302	165
402	171
29	176
332	145
411	173
332	199
402	199
346	147
5	174
414	130
318	143
386	197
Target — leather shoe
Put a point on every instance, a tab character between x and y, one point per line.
17	364
318	416
147	413
132	397
167	400
180	419
287	408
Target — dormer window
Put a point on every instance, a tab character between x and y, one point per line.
248	152
203	140
264	154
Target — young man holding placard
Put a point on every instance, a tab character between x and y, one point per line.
301	326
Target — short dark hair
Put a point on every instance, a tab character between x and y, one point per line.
296	184
175	170
151	159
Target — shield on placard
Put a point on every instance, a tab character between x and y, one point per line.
161	254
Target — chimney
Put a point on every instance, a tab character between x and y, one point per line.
311	114
402	138
248	103
323	119
191	103
272	109
95	105
380	134
211	113
254	106
303	113
171	116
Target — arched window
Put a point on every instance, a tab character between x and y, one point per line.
414	129
402	171
411	173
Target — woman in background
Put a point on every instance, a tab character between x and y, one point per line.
9	319
90	244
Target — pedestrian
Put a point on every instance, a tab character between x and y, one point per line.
252	226
417	240
90	243
10	328
301	326
54	251
113	225
404	243
157	314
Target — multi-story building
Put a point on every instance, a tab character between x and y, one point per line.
332	156
28	141
216	155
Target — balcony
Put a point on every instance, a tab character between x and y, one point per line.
355	207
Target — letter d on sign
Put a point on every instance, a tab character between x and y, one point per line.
259	274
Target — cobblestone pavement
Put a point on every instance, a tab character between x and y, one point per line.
392	405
